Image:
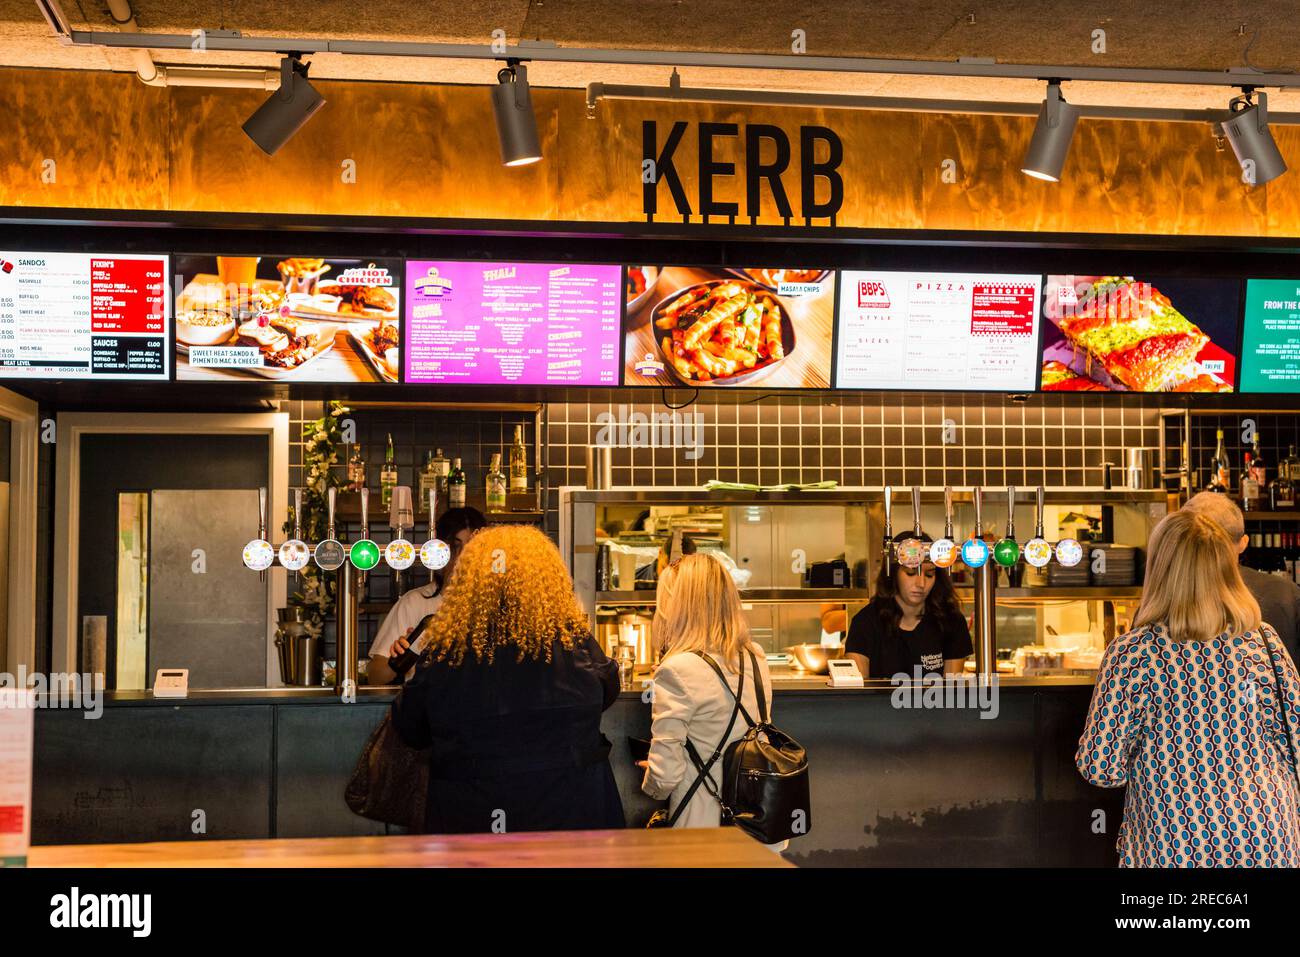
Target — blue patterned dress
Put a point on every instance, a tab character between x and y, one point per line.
1194	731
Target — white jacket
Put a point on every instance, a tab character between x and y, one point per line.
689	701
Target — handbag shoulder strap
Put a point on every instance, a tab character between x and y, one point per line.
703	766
739	693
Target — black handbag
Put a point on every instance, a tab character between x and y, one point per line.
765	789
391	780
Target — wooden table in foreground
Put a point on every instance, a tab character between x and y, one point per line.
678	847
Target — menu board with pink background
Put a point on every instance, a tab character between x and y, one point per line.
480	323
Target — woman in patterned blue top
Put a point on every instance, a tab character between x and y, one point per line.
1195	712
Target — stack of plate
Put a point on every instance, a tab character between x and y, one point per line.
1120	568
1059	576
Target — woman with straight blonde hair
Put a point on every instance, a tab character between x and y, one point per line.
510	696
1194	713
697	614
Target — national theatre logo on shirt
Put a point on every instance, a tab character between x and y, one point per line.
924	690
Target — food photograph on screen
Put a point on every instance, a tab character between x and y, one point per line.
492	323
755	327
83	316
1270	341
292	318
1139	334
940	331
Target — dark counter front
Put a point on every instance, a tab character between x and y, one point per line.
890	786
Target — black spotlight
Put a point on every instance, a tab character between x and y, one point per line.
516	125
286	110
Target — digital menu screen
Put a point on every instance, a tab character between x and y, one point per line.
291	318
480	323
729	328
83	316
937	331
1270	342
1139	334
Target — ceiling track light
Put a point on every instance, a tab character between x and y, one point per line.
1251	140
512	104
287	109
1053	132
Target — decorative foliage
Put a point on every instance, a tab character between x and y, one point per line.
322	440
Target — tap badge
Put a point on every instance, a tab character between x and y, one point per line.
975	553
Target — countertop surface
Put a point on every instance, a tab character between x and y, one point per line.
676	847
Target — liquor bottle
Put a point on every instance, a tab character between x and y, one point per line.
356	470
428	481
387	475
1290	466
1258	465
456	485
518	462
1282	490
1249	487
496	485
1220	469
441	468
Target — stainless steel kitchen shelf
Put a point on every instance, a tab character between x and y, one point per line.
753	595
861	496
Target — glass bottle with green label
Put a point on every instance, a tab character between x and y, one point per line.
388	475
428	481
496	485
456	485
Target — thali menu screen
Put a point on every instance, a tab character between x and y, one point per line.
937	331
480	323
1270	345
83	316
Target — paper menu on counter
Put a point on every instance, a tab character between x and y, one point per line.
941	331
17	711
83	316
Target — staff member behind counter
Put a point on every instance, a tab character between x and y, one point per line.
456	527
912	621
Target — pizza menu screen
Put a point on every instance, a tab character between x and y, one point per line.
480	323
82	316
937	331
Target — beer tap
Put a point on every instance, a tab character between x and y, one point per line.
1037	552
911	552
943	553
888	548
1007	552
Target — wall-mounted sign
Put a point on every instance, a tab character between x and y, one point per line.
83	316
1139	334
482	323
1270	344
767	168
937	331
756	327
291	318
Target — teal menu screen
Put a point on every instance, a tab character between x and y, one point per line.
1270	350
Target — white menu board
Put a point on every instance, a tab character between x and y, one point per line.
937	331
83	316
17	710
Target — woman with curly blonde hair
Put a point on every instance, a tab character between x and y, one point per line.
510	694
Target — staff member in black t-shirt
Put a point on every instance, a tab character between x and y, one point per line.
912	621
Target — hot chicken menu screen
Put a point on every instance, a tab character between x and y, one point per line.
83	316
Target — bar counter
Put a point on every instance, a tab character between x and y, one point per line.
678	847
893	781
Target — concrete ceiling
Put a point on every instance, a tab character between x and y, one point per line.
1179	34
